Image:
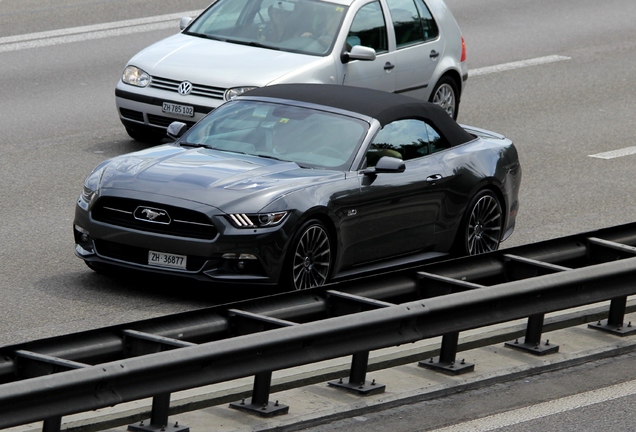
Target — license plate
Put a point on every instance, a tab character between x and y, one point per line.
183	110
162	259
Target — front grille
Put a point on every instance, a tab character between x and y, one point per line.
174	221
197	89
132	115
165	121
137	255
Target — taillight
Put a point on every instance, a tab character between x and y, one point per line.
463	57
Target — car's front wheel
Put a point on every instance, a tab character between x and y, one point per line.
481	229
311	256
446	95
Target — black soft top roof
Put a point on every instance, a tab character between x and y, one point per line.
383	106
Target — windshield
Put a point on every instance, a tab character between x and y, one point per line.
311	138
302	26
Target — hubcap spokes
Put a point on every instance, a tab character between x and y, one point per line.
484	226
444	97
312	259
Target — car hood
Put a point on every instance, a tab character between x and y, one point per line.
220	64
228	181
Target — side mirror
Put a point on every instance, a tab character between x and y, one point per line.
176	130
358	52
185	21
387	164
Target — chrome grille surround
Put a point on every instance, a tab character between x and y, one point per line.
197	89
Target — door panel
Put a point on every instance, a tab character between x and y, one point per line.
395	213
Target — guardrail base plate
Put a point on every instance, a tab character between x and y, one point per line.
614	329
448	368
364	389
176	427
535	349
263	410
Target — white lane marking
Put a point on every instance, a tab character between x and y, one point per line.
545	409
516	65
615	153
97	31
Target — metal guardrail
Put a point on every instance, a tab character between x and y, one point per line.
48	379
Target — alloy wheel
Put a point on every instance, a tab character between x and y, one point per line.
445	97
484	226
312	258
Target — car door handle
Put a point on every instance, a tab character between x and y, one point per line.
388	66
434	54
433	178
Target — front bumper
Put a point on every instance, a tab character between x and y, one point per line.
232	255
143	107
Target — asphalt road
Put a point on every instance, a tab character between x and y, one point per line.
555	76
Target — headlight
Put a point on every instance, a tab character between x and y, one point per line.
134	76
91	186
236	91
259	220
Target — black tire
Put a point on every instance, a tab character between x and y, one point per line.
146	135
481	227
310	258
446	95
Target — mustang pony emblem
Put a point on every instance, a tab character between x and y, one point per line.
155	215
151	214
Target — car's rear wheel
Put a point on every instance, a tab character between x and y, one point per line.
445	94
311	257
482	225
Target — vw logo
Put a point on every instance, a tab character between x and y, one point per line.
149	214
185	88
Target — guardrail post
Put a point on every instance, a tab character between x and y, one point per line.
616	319
532	341
446	363
53	424
159	417
357	377
259	403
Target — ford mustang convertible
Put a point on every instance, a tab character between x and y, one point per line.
299	185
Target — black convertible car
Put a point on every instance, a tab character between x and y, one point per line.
299	185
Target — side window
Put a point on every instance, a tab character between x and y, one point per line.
404	139
429	26
435	141
368	28
406	22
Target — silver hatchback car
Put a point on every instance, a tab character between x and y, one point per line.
413	47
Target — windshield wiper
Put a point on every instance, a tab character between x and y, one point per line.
205	36
234	41
252	43
267	156
189	144
209	147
